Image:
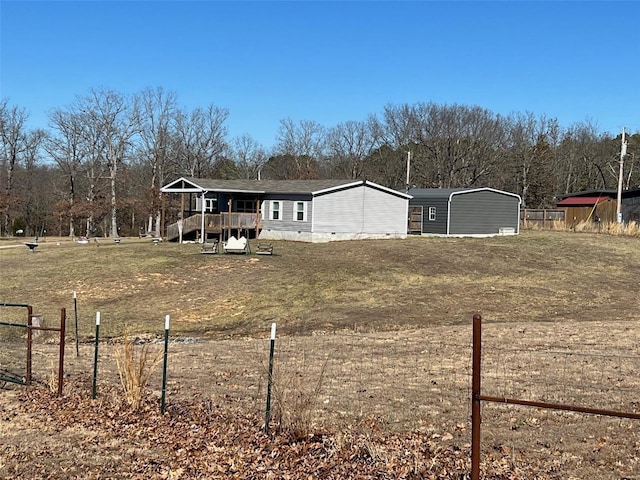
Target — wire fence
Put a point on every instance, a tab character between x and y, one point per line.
407	380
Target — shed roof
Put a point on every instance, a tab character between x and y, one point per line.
590	193
630	193
449	192
577	201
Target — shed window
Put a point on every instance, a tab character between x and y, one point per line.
300	212
274	211
432	214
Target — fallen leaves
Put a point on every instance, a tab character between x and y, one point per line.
205	440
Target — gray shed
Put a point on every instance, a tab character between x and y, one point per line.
475	212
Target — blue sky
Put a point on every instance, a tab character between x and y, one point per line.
329	61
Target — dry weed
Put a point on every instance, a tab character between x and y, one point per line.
52	380
135	366
296	394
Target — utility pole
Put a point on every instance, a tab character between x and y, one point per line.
408	169
623	153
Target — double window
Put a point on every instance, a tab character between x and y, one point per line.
299	214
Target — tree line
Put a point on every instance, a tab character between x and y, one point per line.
99	167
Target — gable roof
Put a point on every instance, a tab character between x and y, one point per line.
309	187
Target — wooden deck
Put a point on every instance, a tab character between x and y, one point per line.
215	223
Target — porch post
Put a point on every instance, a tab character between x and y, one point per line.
202	234
229	205
258	216
162	228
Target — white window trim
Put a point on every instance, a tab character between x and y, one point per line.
432	214
279	210
209	203
304	211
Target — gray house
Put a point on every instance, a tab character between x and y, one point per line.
477	212
304	210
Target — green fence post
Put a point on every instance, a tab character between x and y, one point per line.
267	416
75	311
95	357
164	368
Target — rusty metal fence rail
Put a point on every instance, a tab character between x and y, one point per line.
17	345
602	392
15	357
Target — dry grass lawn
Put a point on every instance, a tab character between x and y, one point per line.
381	327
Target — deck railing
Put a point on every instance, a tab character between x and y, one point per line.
215	223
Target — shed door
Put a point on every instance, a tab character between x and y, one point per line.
415	219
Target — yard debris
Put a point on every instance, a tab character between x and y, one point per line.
203	439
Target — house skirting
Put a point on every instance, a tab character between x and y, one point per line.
510	232
326	237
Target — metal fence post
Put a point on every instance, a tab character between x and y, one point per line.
475	397
29	341
75	313
267	416
164	367
95	357
63	321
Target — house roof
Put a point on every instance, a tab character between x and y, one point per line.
251	186
576	201
309	187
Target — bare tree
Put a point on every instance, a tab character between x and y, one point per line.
305	143
248	155
13	144
530	149
201	140
349	144
33	214
116	120
451	146
158	109
67	146
457	146
386	164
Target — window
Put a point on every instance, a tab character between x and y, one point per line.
300	212
247	206
210	204
432	214
274	211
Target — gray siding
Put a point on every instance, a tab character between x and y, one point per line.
439	225
483	213
360	210
286	222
